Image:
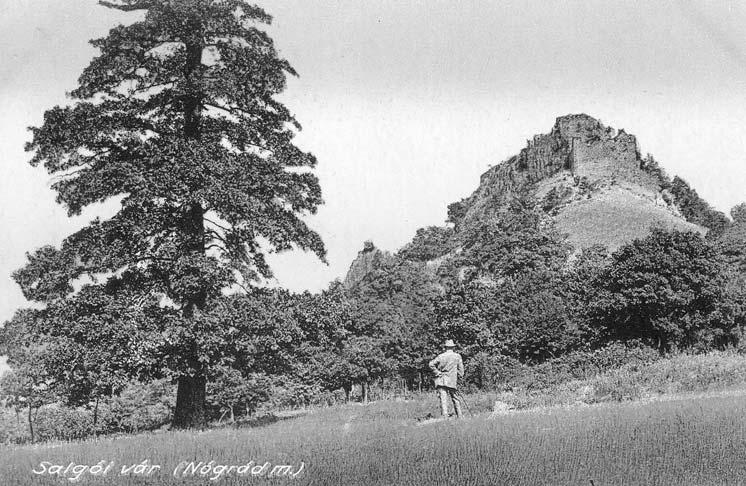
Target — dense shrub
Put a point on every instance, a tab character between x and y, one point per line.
13	426
139	407
57	422
586	364
428	243
486	371
233	394
668	289
697	210
498	372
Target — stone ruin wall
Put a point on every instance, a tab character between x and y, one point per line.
615	158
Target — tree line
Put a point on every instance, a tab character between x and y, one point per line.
516	291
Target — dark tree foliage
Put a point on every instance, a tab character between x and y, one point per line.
89	346
428	244
390	310
456	212
232	392
696	210
517	240
529	318
580	292
326	359
176	121
507	293
732	246
738	213
303	343
667	289
28	385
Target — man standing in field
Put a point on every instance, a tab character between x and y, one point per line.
448	368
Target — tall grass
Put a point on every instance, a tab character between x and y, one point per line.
685	441
677	440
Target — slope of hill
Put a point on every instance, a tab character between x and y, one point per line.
615	215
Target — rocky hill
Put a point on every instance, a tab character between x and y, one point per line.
590	179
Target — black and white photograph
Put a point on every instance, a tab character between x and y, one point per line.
357	242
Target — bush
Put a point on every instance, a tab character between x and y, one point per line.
289	393
57	422
580	365
234	394
13	427
138	408
51	422
485	371
491	372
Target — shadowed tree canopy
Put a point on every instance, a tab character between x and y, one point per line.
176	121
666	289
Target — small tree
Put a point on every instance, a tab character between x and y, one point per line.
231	392
27	386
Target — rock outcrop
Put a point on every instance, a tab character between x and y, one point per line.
366	261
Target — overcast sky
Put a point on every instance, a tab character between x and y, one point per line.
406	103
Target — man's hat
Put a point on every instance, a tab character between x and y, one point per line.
449	344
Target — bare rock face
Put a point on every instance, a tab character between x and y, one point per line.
366	261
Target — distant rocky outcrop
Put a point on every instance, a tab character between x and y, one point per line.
592	180
589	178
366	261
577	155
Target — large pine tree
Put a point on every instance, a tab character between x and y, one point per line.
176	122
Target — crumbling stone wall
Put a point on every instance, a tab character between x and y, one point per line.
613	157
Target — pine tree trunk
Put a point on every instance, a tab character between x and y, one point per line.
191	390
190	403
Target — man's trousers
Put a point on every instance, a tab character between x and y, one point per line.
445	393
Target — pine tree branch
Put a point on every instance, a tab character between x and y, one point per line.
218	225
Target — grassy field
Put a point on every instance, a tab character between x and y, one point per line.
685	440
